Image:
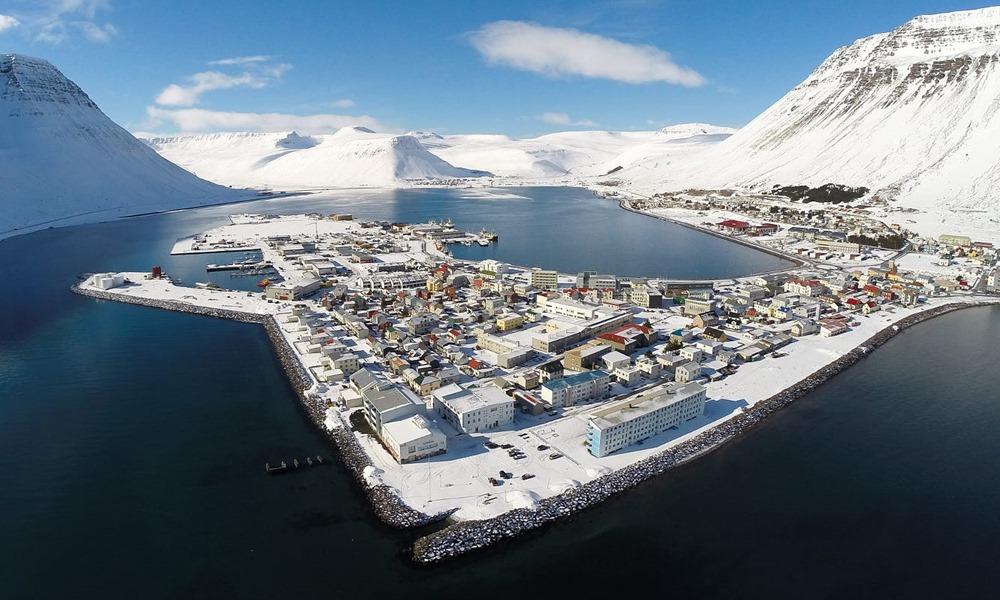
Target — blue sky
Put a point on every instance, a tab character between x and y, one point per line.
514	67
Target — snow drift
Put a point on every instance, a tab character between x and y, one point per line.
65	162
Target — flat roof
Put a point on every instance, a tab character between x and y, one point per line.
633	408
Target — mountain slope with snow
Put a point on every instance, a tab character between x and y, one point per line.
571	153
350	157
913	114
65	162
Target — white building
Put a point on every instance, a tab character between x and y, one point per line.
687	372
493	269
106	281
474	410
574	389
293	289
563	306
623	423
413	438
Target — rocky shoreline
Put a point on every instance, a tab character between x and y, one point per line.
467	536
387	505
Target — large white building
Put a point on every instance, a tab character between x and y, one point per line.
413	438
474	410
621	424
397	417
563	306
574	389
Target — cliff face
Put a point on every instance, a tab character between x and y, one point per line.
64	161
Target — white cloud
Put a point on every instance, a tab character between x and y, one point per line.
559	118
197	120
199	83
554	52
54	21
8	22
258	73
342	103
241	60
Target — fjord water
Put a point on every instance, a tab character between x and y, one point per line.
132	443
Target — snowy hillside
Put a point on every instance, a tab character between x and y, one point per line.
65	162
351	157
913	114
576	153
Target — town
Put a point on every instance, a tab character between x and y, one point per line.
476	388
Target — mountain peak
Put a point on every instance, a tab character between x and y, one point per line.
26	79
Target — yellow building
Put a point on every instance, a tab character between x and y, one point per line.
508	322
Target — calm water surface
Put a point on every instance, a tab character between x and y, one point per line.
131	445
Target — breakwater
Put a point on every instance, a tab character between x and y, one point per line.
387	505
464	537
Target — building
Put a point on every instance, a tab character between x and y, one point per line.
509	321
544	279
629	338
594	280
563	306
645	297
840	246
614	360
293	289
413	438
687	372
474	410
492	269
106	281
695	306
734	226
804	287
954	240
621	424
397	418
574	389
584	357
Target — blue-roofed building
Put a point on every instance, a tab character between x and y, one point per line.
582	387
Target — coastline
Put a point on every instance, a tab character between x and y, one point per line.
461	537
797	263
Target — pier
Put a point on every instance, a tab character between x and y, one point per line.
283	467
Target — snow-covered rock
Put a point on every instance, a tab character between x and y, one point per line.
64	161
350	157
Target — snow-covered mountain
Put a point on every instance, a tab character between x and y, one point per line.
571	153
350	157
913	114
65	162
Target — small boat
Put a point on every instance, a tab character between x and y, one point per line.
483	242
